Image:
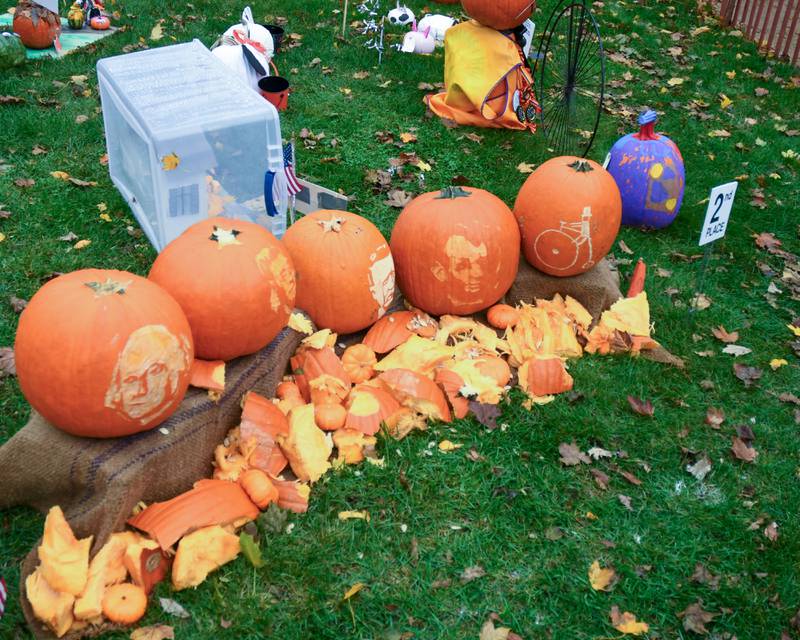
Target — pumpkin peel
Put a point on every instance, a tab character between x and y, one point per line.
389	332
105	568
350	445
417	354
368	407
262	423
292	494
201	552
208	374
417	392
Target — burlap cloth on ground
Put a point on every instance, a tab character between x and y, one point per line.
98	482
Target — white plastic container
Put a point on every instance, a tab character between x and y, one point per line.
188	140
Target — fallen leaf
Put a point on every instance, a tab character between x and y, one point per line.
700	469
626	501
600	478
225	624
701	301
675	82
173	608
154	632
695	618
736	350
486	414
702	575
361	75
625	248
157	32
425	86
766	241
490	632
525	167
554	533
748	375
602	579
719	133
742	452
571	455
354	515
81	118
714	417
723	336
398	198
777	363
81	183
170	162
445	446
68	237
408	137
81	244
789	398
17	304
24	183
641	406
7	364
626	623
630	478
596	453
761	92
472	573
771	531
356	588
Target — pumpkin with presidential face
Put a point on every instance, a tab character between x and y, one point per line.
234	281
456	250
103	353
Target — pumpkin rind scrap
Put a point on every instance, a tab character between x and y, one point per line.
235	282
389	332
499	14
292	495
502	316
569	211
307	447
259	487
52	607
422	355
200	553
309	365
64	558
345	271
368	407
262	423
417	392
130	353
124	603
350	445
208	374
105	568
545	377
132	559
456	250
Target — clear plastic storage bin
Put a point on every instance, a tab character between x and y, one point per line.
188	140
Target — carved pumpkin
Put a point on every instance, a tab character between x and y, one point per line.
330	417
130	353
258	487
649	171
36	26
235	282
499	14
124	603
345	271
456	250
99	23
569	211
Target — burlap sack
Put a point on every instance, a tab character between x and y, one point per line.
596	289
98	482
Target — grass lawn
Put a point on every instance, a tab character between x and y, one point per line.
532	524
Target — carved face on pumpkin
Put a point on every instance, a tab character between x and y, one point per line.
463	263
381	281
274	262
147	373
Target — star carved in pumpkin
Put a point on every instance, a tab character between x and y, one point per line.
224	237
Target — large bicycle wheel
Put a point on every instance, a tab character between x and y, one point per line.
571	80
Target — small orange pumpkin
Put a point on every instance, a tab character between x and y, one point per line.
499	14
502	316
359	361
456	250
330	417
124	603
259	487
345	271
235	282
287	389
129	349
569	211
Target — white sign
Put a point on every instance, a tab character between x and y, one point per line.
720	203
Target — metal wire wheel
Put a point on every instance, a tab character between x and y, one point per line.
571	79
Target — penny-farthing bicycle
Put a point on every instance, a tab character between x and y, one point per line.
569	71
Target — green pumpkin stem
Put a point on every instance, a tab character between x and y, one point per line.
451	193
109	287
581	166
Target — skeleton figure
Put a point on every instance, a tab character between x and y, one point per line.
400	16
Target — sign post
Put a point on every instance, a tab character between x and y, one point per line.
720	204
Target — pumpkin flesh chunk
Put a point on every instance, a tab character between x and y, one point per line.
52	607
64	559
107	567
200	553
306	446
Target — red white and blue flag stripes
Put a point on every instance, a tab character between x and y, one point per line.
3	597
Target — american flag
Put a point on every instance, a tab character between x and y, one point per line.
288	163
3	597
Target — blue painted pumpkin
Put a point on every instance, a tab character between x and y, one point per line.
648	168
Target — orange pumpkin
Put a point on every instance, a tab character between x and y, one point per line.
235	282
287	389
502	316
345	271
569	211
330	417
36	26
124	603
359	361
499	14
456	250
259	487
103	353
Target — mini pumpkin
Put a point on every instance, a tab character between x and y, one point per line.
330	417
259	487
76	16
234	281
456	250
359	362
124	603
569	211
345	271
99	23
130	353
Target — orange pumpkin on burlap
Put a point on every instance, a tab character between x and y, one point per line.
569	211
499	14
103	353
345	271
456	250
235	282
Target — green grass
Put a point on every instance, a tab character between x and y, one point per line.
495	512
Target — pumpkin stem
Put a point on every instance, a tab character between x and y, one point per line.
224	237
451	193
647	122
334	224
581	166
109	287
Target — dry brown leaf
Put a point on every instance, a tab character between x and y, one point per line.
626	501
626	622
571	455
771	531
641	406
600	478
398	198
472	573
723	336
7	365
625	248
17	304
602	579
525	167
695	618
715	417
153	632
24	183
748	375
741	451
